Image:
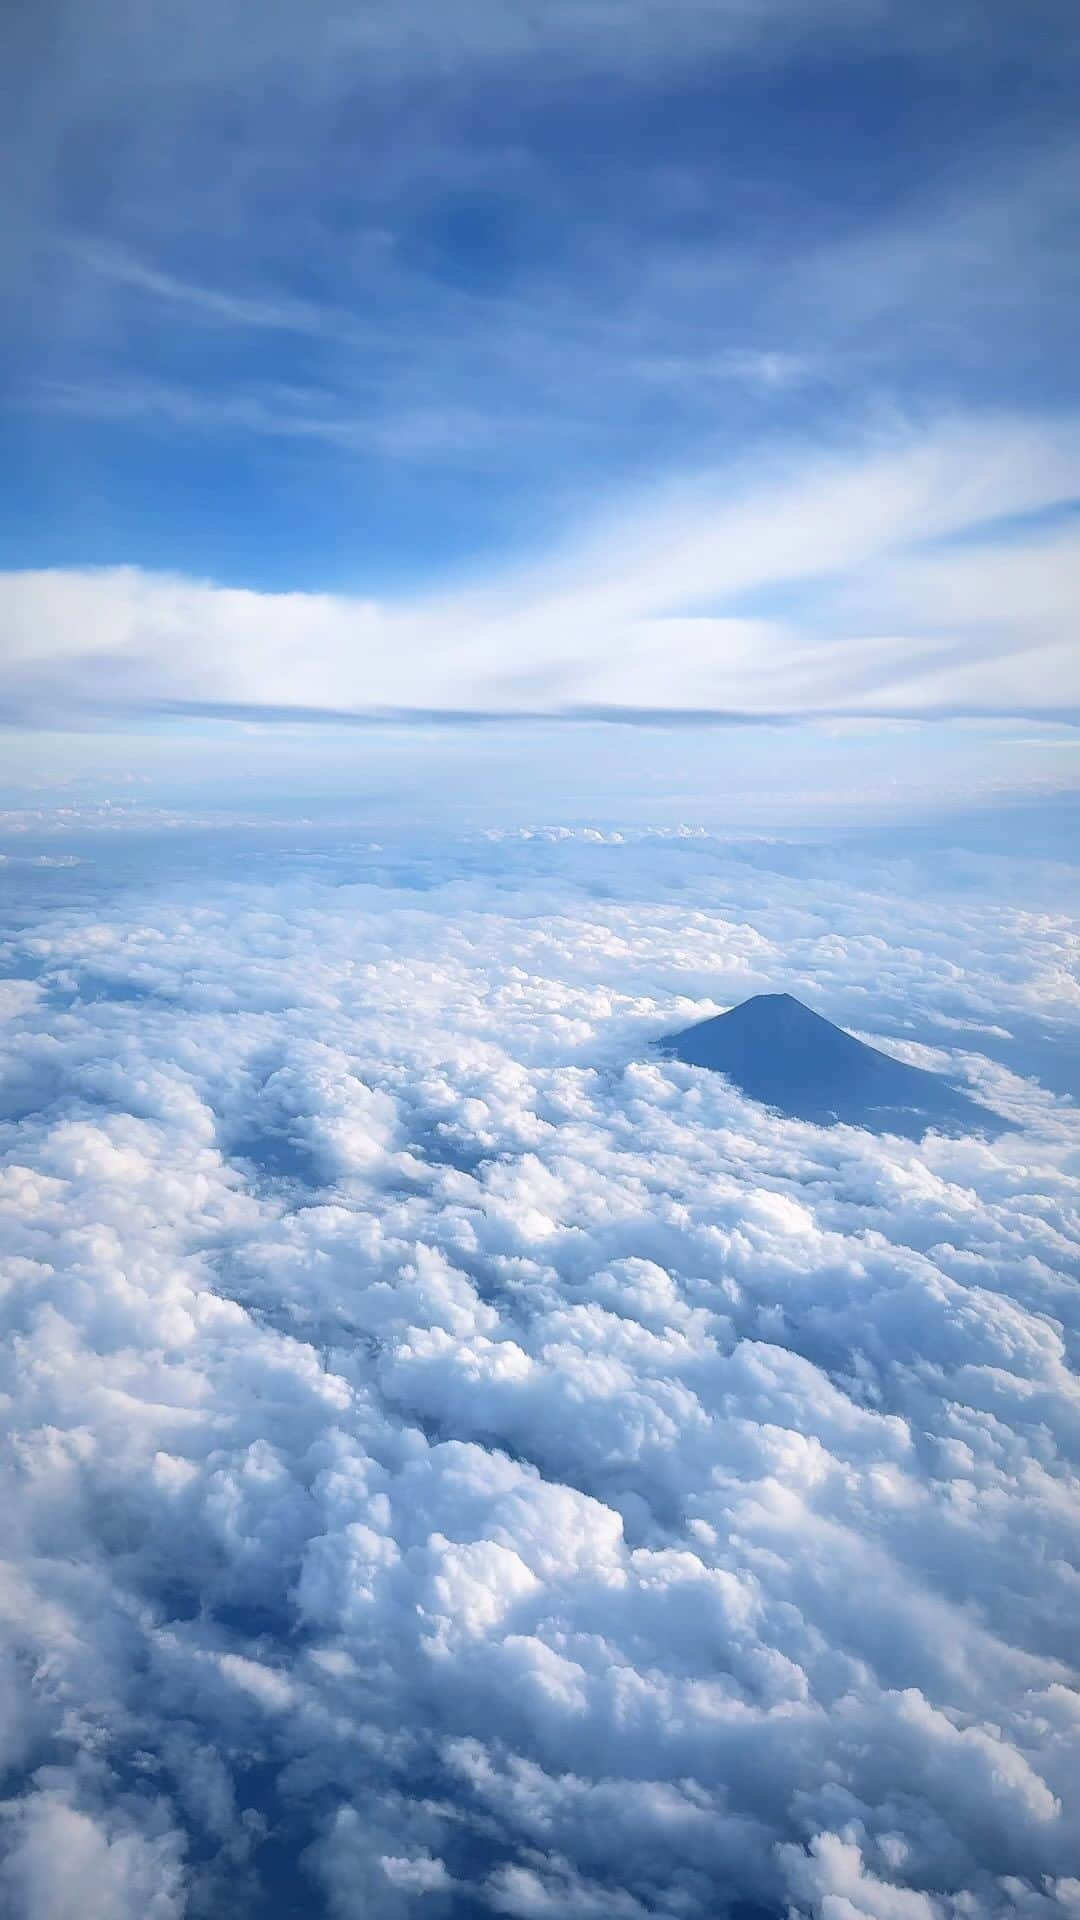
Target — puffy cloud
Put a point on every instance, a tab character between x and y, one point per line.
63	1863
463	1461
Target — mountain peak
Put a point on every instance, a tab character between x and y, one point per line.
782	1053
773	1003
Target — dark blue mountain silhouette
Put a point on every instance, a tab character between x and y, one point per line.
779	1052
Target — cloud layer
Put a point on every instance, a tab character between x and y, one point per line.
464	1463
930	573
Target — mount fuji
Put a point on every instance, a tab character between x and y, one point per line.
780	1052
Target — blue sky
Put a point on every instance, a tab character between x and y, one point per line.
685	357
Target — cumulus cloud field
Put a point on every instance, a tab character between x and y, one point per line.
461	1462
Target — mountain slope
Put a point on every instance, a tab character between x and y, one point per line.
779	1052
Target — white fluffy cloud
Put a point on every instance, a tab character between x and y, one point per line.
464	1463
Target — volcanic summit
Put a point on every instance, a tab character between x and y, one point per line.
778	1051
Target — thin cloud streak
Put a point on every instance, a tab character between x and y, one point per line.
752	594
273	413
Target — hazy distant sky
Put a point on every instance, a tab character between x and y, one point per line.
697	356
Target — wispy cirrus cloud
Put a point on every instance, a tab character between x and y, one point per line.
454	224
753	593
274	413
